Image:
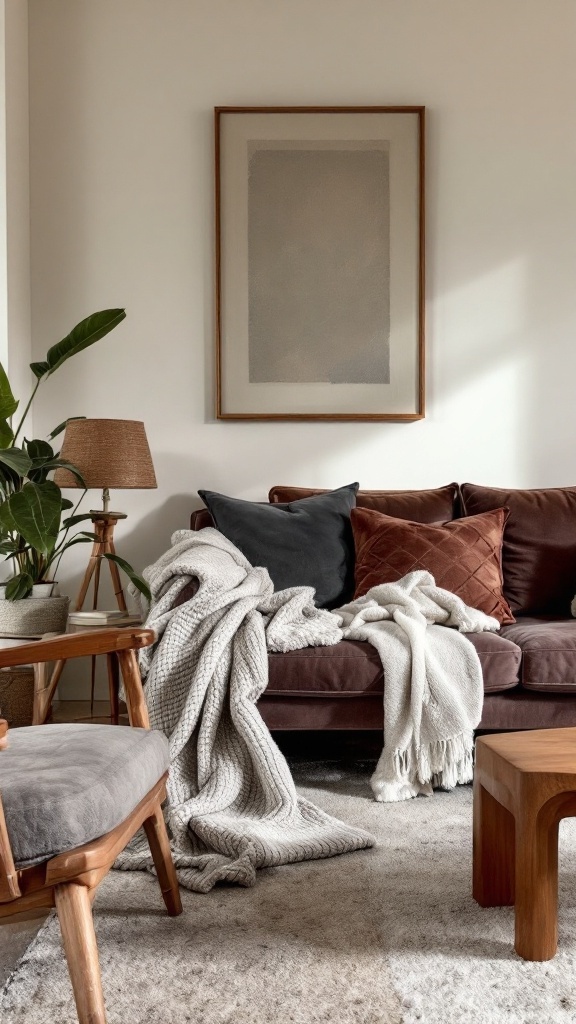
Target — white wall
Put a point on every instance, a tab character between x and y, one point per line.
15	339
122	94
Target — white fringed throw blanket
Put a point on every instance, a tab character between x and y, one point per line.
433	690
232	804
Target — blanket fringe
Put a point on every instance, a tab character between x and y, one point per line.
443	763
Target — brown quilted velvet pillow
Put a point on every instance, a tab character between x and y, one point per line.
430	506
463	555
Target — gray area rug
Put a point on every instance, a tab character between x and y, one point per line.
383	936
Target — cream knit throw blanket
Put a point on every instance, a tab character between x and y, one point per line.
433	690
232	804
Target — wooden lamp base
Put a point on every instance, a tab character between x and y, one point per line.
103	524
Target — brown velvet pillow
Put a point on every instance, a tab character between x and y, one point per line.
539	553
429	506
463	555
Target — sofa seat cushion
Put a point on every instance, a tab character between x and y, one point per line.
352	668
64	785
500	659
548	653
347	669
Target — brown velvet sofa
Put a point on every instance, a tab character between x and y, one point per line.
529	667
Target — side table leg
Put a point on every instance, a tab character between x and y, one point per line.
39	708
493	856
44	690
536	886
113	687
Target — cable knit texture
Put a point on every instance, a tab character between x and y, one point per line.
232	804
433	690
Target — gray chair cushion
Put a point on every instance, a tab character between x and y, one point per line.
64	785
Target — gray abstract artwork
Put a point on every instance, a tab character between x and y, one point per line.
319	264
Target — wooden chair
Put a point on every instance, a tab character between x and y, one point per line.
67	880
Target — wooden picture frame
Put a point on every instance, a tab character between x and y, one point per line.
320	263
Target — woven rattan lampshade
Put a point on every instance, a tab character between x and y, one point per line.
108	454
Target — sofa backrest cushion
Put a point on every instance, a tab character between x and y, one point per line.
429	506
539	550
463	555
301	543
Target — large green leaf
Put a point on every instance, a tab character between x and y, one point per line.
79	538
62	426
63	464
6	434
39	369
34	512
84	334
42	467
6	519
19	586
15	459
132	575
8	404
81	517
39	451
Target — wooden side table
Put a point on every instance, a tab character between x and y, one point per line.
17	696
524	784
47	677
46	680
43	690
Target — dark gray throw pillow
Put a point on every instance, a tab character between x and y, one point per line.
302	543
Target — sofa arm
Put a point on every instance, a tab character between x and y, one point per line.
201	518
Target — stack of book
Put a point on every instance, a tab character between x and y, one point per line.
104	618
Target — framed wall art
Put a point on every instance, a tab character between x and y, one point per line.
320	263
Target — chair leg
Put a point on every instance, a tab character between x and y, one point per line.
155	828
74	909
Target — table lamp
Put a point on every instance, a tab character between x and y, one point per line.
108	454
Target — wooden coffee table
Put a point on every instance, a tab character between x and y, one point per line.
524	784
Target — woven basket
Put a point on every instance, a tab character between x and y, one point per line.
33	616
17	695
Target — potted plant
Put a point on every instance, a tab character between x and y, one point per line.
37	525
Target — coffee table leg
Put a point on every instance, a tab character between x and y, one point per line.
536	886
113	687
493	875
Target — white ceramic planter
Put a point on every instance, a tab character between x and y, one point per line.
40	591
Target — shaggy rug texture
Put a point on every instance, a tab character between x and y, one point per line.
388	935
